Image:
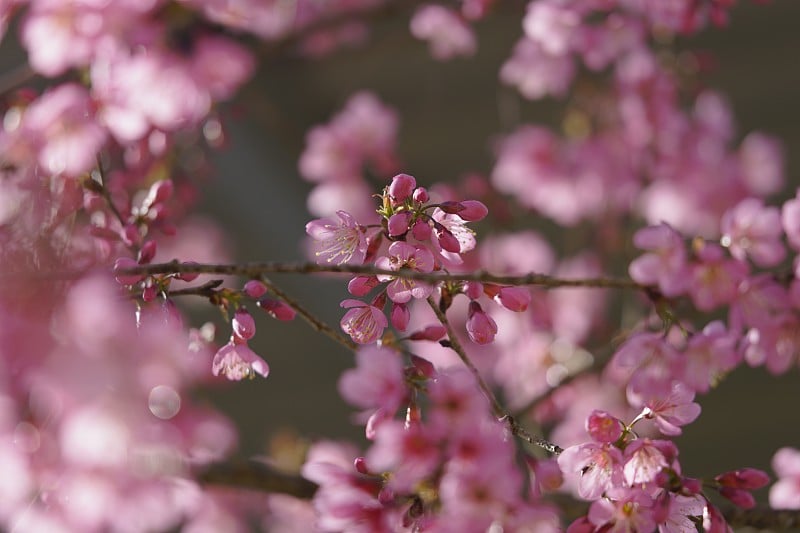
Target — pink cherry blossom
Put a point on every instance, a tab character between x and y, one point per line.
714	279
404	255
237	361
341	241
669	412
593	467
624	510
603	427
752	230
364	323
447	34
377	382
63	123
666	264
785	493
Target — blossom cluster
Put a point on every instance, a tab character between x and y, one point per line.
448	465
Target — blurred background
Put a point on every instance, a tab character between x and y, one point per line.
449	113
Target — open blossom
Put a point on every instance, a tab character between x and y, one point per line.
669	412
752	230
377	382
715	279
340	241
785	493
625	510
665	263
364	323
237	361
63	124
446	32
404	255
597	467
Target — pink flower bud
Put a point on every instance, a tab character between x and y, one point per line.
149	293
159	192
480	326
360	465
713	521
744	478
130	235
398	223
147	252
400	316
361	285
126	279
421	195
421	230
603	427
446	239
188	276
514	298
430	333
401	187
451	208
277	309
473	289
254	289
243	324
423	366
692	485
740	498
472	211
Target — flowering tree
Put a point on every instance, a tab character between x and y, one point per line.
503	382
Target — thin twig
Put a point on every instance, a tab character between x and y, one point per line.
255	270
313	321
499	412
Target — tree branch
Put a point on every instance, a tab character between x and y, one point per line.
499	412
313	321
256	270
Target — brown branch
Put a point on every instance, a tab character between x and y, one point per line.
313	321
255	270
499	412
763	518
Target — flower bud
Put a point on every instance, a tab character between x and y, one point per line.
473	289
451	208
480	326
277	309
400	316
514	299
446	239
126	279
421	195
147	252
744	478
361	285
401	187
740	498
421	230
360	465
430	333
188	276
159	192
243	324
398	223
130	235
472	211
603	427
423	366
254	289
